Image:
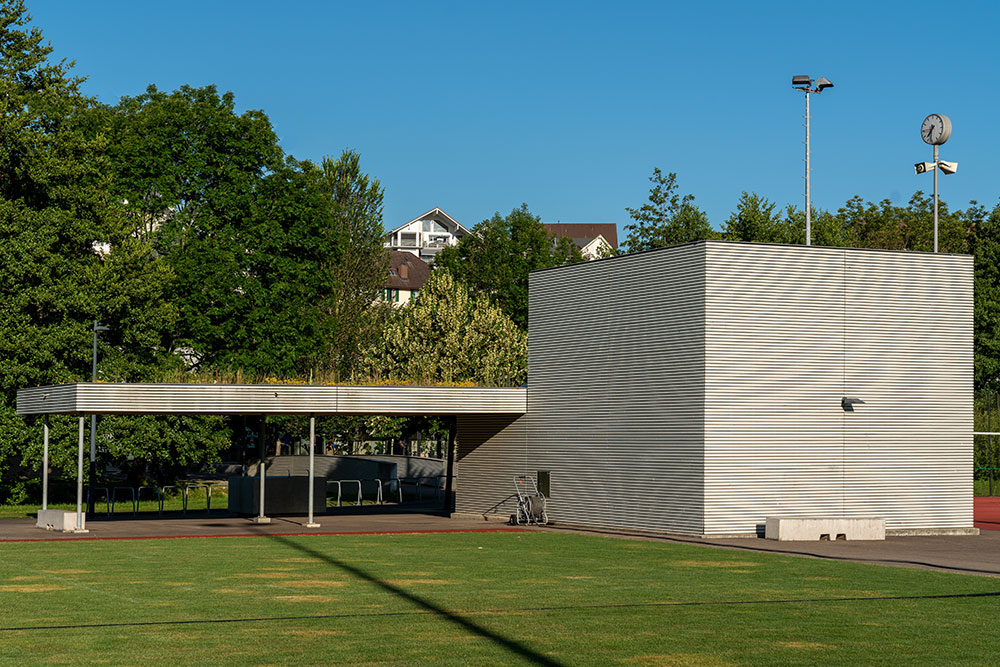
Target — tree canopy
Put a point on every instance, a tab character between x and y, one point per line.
495	260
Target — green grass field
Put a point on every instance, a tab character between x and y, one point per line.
475	598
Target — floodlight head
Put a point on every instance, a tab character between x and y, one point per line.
822	83
801	80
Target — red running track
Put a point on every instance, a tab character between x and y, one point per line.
986	512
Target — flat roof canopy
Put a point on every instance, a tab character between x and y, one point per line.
268	399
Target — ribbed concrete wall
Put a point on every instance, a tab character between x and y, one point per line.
697	389
490	450
791	331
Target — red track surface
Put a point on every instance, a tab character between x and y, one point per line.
987	513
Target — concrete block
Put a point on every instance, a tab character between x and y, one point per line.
60	520
787	529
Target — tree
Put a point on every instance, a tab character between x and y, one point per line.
497	257
666	219
246	231
754	220
448	335
986	331
362	266
68	254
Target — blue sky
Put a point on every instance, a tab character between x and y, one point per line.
477	107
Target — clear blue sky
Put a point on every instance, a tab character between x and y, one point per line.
477	107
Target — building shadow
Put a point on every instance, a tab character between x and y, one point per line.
506	643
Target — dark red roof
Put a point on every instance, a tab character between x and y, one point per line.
585	230
406	271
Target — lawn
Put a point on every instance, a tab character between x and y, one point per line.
475	598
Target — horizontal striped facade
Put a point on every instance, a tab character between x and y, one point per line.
697	389
101	398
790	331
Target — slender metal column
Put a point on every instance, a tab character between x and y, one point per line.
808	181
45	462
79	485
260	518
449	479
936	170
312	469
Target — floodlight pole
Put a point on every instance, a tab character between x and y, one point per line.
805	84
808	180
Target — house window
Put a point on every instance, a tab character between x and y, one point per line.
391	295
408	240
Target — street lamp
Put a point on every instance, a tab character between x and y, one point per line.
935	130
805	84
93	427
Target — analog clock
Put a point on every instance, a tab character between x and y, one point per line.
935	129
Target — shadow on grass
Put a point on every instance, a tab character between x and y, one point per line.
511	645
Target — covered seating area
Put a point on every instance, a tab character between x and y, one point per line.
85	398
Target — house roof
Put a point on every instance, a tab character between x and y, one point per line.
406	271
435	212
583	233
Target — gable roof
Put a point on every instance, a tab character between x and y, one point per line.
416	271
584	232
435	212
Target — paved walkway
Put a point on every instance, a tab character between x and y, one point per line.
367	520
978	554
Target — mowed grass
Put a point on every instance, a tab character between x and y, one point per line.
475	598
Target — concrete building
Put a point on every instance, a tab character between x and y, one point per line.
702	388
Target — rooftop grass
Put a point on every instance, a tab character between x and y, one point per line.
475	598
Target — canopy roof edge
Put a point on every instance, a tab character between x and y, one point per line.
270	399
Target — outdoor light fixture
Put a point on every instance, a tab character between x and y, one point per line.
804	83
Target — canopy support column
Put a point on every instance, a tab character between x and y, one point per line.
45	462
312	470
260	518
79	486
449	480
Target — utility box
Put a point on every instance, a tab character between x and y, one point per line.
702	388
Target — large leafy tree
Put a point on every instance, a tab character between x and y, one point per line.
497	257
245	231
67	254
666	219
754	220
449	335
362	264
986	249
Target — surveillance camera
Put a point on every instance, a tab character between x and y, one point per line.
922	167
948	167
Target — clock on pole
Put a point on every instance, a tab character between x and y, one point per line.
935	130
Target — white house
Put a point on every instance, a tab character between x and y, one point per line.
426	234
594	239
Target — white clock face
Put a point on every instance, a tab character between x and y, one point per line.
935	129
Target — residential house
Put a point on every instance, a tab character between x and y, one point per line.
594	239
407	274
426	234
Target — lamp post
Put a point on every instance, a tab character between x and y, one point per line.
805	84
93	428
935	130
